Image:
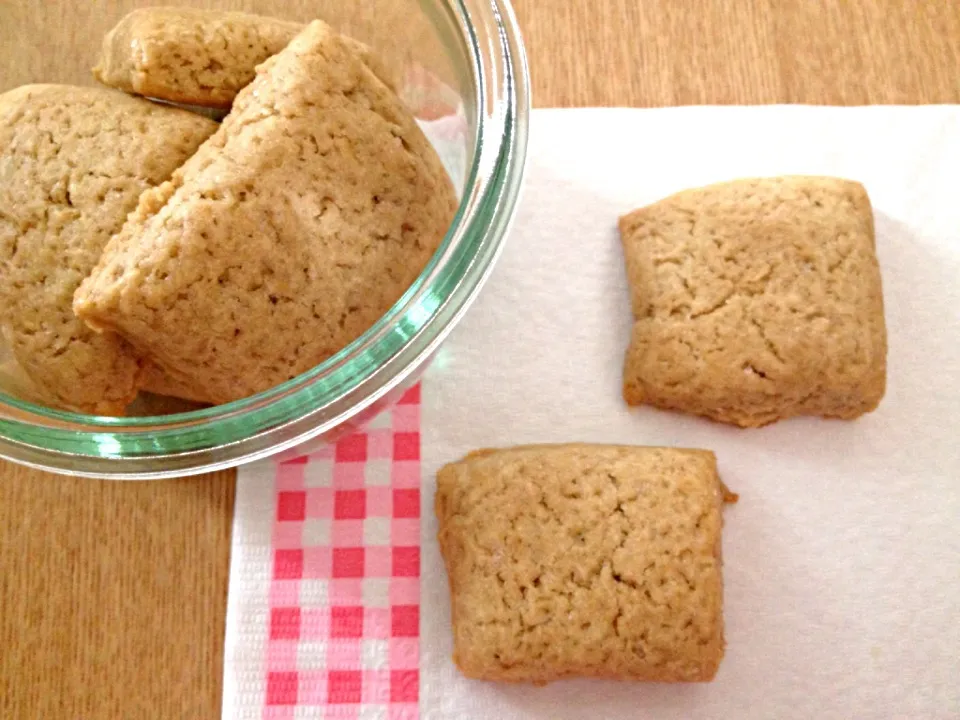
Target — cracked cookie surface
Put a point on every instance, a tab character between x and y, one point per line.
197	57
756	300
290	232
73	162
584	560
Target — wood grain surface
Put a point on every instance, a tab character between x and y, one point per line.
112	595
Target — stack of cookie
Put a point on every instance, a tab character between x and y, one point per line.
145	247
753	301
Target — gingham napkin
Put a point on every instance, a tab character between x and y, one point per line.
842	560
324	616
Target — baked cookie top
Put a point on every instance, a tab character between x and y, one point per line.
73	162
291	231
197	57
756	300
583	559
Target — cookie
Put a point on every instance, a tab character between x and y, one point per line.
197	57
291	231
584	560
73	162
756	300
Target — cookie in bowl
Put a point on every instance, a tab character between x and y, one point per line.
73	163
198	57
289	233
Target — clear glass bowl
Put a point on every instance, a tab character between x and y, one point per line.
465	76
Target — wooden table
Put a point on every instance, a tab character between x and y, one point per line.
112	595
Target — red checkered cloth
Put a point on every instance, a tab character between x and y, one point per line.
333	630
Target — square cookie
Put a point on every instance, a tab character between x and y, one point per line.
756	300
584	560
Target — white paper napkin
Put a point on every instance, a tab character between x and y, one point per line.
842	558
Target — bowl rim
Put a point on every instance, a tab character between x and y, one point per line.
382	358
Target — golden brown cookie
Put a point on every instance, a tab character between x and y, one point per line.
756	300
288	234
73	162
197	57
589	560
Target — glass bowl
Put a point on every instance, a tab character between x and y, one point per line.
464	75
